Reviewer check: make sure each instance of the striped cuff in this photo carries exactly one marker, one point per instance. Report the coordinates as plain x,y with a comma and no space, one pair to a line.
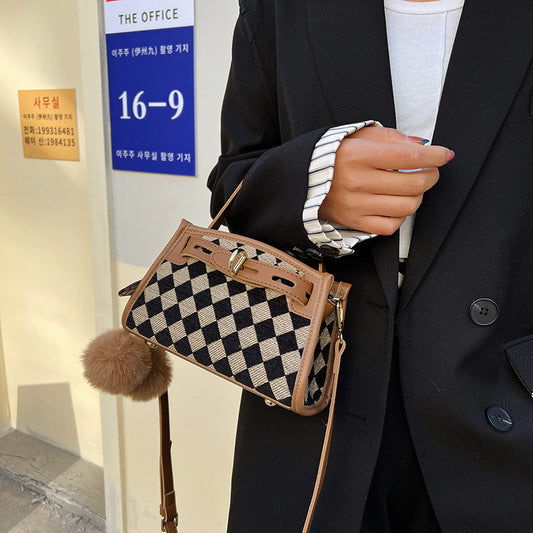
321,232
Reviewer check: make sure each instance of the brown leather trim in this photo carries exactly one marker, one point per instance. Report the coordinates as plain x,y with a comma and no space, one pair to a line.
176,239
316,307
253,272
305,270
308,275
340,290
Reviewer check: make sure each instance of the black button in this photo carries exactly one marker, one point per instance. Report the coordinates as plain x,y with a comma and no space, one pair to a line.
329,250
499,418
314,254
298,253
484,312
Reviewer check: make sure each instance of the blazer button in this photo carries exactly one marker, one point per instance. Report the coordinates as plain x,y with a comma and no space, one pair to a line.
499,418
484,312
329,250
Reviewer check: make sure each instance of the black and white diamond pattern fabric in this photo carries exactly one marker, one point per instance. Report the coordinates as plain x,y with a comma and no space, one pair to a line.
186,309
318,374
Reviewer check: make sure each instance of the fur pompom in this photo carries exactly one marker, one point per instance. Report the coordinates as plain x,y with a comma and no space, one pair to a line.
157,381
117,362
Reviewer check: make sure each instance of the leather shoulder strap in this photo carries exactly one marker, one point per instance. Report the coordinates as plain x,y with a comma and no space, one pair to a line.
217,221
340,345
168,509
168,499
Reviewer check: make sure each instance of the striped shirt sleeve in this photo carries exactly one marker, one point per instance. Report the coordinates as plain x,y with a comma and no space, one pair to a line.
321,232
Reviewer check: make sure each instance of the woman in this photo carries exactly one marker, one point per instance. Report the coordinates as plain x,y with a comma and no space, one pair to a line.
434,425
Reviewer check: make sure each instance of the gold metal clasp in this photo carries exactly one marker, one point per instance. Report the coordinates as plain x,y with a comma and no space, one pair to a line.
236,261
339,315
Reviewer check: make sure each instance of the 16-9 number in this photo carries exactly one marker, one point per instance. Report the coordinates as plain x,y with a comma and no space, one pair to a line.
140,109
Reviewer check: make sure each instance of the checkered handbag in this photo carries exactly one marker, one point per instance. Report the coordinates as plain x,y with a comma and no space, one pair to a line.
247,312
266,323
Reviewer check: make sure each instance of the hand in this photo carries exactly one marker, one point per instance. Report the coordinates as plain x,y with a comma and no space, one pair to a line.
366,194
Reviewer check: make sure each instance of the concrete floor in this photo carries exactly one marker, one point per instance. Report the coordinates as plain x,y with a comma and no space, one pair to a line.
44,489
25,511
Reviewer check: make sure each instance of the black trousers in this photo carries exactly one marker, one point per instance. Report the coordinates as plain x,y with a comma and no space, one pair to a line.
398,501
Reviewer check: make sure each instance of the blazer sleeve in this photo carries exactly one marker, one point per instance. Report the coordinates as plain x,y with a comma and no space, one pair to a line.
273,167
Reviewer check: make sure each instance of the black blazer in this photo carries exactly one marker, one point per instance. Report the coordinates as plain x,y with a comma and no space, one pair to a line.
299,67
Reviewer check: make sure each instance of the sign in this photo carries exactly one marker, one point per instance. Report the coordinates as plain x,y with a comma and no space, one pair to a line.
48,124
150,58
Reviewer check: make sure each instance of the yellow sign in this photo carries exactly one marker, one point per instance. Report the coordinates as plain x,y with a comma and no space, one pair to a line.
48,124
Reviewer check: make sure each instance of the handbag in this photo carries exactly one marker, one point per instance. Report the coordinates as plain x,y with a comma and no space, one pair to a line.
249,313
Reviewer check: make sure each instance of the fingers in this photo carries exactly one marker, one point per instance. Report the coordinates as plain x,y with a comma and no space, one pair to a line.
381,225
370,212
394,182
368,191
390,206
365,211
403,155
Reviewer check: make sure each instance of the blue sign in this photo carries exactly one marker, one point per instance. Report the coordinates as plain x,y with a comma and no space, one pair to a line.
151,94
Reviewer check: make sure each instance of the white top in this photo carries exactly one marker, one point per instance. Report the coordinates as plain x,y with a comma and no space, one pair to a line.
420,39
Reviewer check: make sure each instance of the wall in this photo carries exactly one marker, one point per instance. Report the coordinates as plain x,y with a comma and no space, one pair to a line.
46,285
5,415
203,408
71,234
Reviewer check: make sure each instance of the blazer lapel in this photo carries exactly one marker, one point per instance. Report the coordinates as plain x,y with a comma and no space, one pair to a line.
349,42
492,51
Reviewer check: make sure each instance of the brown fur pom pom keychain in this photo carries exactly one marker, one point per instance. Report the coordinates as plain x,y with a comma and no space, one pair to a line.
120,363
